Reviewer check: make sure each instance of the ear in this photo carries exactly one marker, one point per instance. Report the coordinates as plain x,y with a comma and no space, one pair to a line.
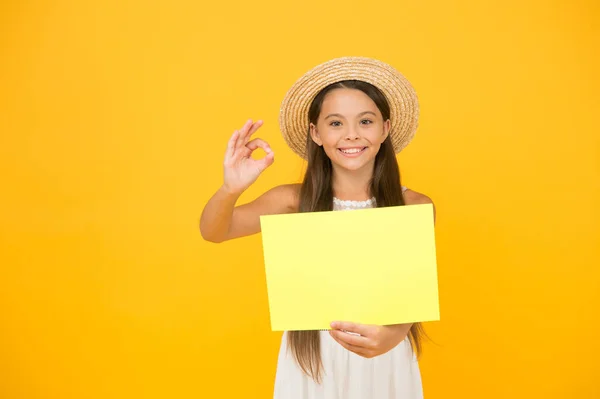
314,134
387,125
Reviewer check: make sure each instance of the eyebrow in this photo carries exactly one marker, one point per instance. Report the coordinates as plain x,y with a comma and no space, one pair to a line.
361,114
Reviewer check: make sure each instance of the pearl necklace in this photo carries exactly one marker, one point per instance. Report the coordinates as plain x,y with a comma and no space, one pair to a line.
343,205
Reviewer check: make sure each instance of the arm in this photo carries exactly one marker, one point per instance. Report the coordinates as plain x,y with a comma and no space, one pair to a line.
221,220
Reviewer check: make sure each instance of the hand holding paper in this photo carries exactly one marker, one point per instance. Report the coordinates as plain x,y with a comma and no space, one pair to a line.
368,340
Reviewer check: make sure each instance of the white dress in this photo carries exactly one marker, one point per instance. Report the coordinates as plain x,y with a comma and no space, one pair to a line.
346,375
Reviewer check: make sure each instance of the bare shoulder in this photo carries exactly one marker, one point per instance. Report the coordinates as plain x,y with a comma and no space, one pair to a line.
285,198
412,197
245,219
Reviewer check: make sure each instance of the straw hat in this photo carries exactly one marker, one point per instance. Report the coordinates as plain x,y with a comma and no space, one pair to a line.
401,96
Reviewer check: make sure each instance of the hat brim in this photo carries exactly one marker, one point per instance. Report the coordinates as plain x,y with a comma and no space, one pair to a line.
401,96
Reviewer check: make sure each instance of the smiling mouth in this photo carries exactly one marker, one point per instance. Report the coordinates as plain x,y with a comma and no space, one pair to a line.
352,151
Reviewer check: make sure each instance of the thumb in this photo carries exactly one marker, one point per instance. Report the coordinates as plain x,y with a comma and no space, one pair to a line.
356,328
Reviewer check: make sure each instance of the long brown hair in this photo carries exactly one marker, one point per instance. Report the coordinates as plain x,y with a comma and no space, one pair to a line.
316,194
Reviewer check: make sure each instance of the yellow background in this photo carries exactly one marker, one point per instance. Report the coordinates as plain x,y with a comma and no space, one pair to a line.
114,117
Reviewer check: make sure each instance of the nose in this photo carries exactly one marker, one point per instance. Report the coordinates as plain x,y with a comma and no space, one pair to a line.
351,134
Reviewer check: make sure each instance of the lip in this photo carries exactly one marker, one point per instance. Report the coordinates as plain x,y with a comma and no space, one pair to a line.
353,155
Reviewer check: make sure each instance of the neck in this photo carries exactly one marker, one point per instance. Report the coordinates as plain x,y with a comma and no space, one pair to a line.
352,184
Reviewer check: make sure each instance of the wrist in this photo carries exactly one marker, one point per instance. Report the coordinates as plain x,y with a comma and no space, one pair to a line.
230,191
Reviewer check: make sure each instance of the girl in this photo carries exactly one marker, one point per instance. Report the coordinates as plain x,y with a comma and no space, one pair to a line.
348,118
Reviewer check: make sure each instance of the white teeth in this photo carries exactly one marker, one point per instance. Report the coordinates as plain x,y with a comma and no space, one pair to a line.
351,150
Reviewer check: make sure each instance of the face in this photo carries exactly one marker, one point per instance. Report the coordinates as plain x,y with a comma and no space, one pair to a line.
350,129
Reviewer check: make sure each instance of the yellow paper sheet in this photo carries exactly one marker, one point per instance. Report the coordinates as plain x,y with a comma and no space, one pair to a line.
370,266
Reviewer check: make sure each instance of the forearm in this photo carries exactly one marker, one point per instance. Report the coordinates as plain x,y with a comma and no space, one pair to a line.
217,214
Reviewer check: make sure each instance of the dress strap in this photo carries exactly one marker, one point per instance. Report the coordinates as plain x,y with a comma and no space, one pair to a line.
404,188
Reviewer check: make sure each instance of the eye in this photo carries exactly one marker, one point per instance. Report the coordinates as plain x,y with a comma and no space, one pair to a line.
333,123
367,120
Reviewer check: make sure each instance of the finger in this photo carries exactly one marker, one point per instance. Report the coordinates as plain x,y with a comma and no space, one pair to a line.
266,161
350,339
258,143
246,131
255,126
356,349
242,136
362,329
231,144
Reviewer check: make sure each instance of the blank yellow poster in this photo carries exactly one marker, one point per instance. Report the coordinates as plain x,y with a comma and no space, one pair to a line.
370,266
